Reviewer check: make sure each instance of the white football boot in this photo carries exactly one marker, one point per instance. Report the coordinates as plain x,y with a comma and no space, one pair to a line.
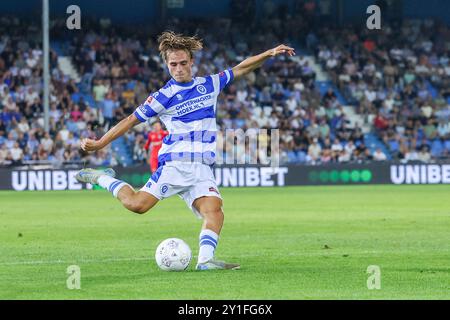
91,176
217,265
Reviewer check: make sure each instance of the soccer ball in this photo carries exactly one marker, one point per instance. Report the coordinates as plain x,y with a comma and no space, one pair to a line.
173,254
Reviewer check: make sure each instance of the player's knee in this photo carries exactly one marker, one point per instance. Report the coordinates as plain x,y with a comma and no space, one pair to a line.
213,214
220,216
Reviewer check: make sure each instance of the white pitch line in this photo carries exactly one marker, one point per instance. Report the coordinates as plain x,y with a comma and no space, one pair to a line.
37,262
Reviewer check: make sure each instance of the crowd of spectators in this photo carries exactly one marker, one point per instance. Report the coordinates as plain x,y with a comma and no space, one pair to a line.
397,80
22,135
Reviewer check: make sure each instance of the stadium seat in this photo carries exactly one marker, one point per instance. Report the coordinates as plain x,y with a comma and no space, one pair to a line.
437,148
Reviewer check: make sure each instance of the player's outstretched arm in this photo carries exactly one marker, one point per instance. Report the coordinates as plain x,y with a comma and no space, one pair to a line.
250,64
115,132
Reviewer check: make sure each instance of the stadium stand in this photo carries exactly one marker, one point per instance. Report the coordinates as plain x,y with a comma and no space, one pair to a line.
349,95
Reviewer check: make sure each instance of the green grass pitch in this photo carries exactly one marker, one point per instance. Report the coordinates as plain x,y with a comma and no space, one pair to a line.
292,243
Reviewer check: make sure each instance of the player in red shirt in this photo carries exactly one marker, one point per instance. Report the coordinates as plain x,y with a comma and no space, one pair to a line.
155,138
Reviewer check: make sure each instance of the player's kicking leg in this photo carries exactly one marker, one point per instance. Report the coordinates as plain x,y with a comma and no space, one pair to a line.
138,202
211,210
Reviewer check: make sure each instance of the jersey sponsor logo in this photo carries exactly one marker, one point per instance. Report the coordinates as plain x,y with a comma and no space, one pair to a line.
193,102
192,105
149,184
191,108
179,97
201,89
156,94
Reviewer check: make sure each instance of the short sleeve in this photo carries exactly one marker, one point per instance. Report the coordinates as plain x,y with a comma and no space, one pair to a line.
150,108
225,77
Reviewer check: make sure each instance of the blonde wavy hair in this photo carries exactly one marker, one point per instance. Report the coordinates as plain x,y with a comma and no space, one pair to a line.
170,41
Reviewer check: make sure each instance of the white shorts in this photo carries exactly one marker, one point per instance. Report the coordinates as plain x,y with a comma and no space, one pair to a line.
190,180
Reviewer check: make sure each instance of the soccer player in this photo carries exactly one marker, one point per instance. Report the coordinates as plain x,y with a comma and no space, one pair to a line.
187,107
155,138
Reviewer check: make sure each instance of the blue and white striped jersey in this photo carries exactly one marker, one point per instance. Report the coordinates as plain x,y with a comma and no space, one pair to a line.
188,111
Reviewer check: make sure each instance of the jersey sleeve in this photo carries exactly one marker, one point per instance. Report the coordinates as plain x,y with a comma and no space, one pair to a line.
225,77
150,108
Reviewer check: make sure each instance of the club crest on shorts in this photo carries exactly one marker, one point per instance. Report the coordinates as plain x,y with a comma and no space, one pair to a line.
164,188
201,89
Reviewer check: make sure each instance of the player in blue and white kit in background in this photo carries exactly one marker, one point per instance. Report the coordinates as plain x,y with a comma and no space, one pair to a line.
187,106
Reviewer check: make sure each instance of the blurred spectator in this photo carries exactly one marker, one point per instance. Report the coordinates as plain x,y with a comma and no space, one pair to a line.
379,155
314,151
424,155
